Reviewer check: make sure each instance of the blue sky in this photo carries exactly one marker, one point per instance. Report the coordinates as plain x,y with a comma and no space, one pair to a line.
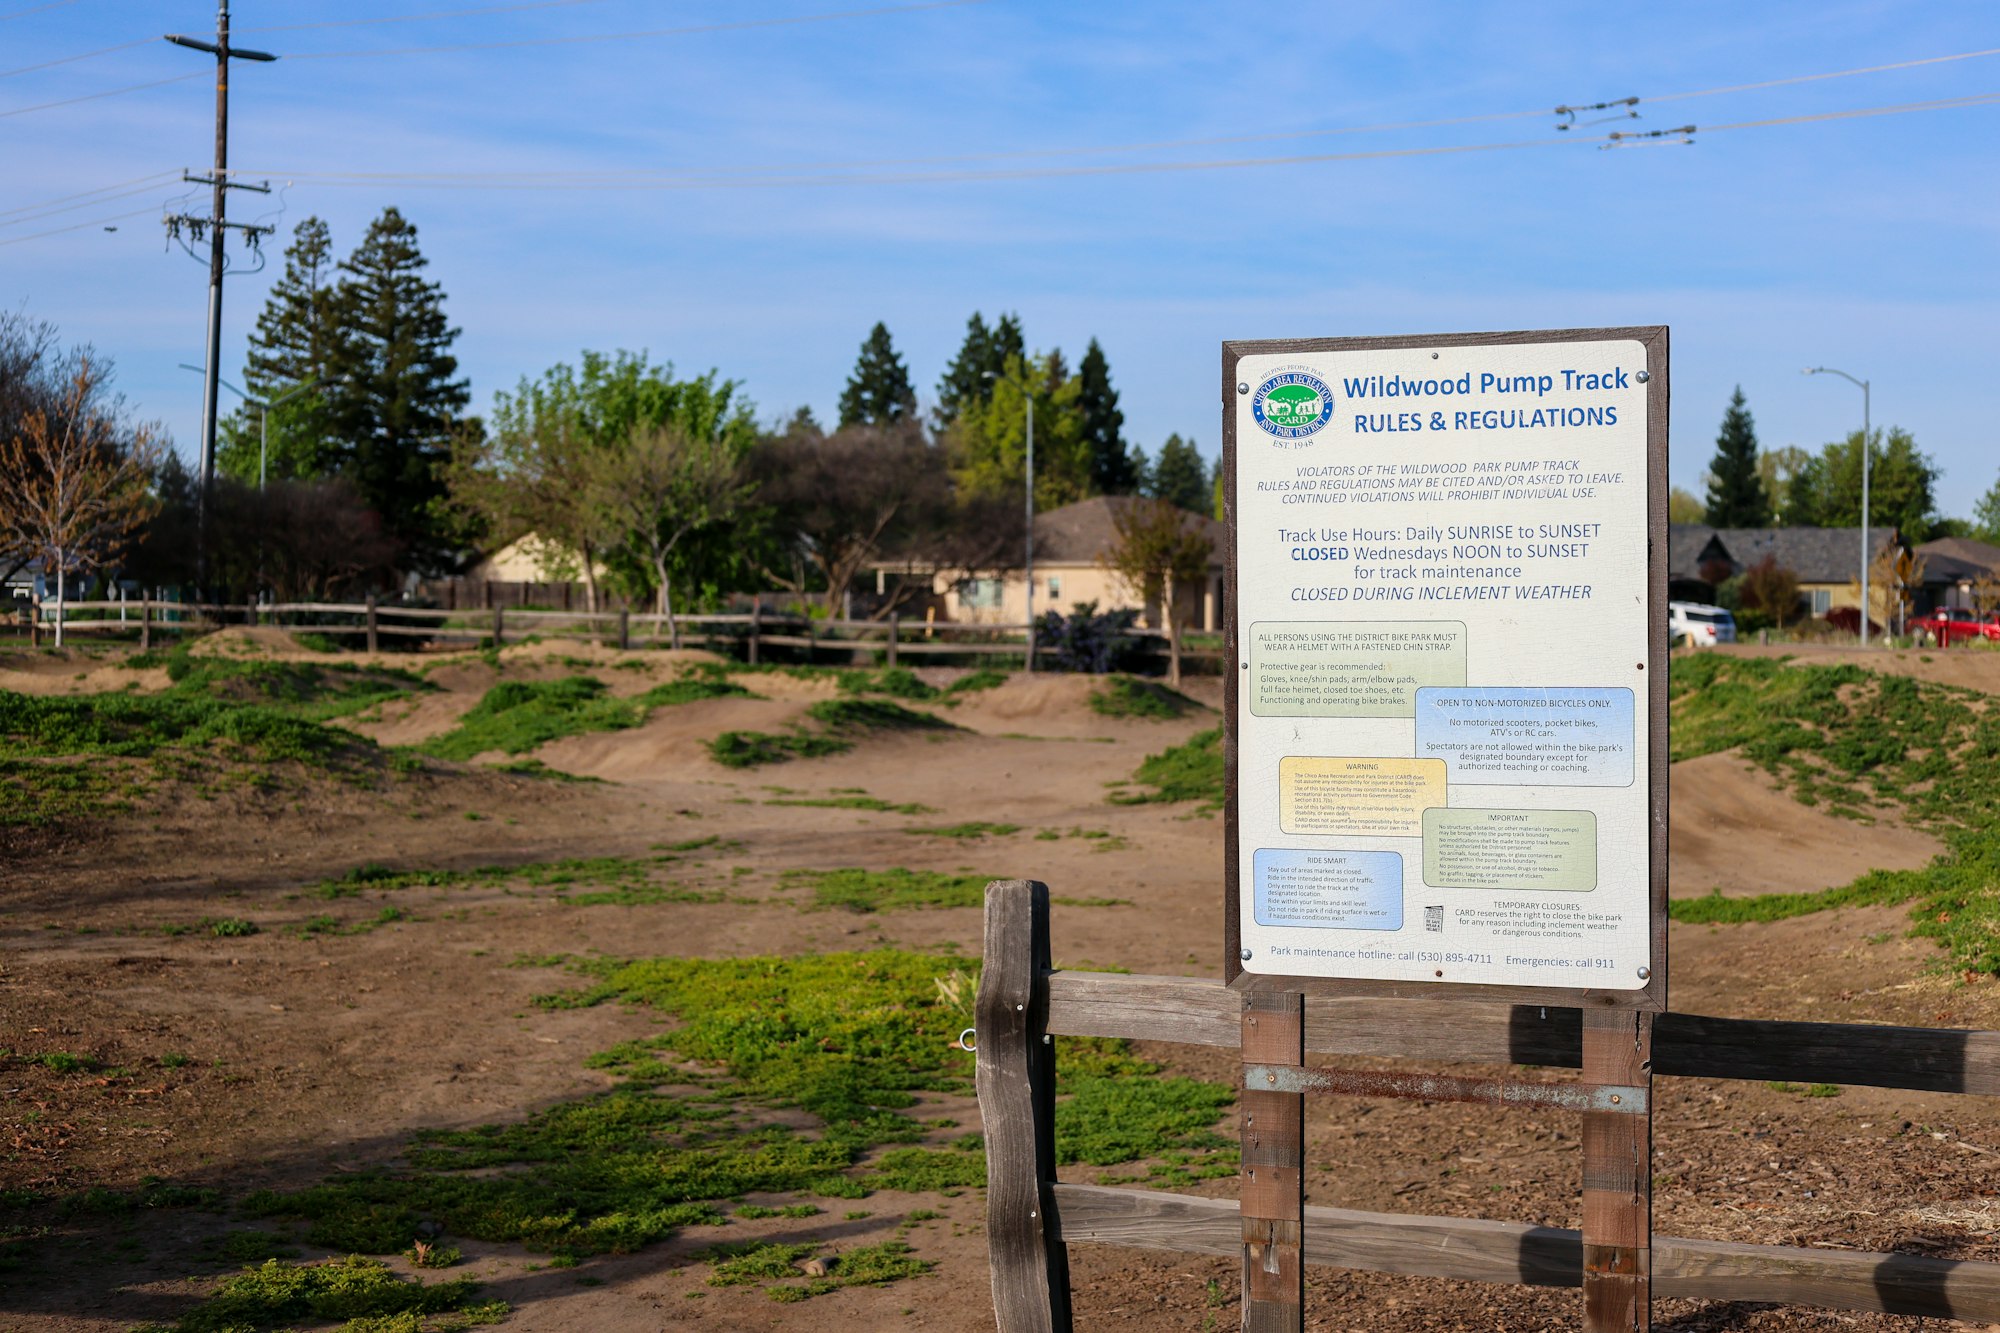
1864,243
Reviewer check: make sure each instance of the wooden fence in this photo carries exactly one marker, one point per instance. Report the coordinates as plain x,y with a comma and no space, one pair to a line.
372,621
1032,1217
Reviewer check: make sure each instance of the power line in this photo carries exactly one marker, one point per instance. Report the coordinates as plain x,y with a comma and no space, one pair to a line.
71,60
1834,74
422,18
579,39
35,9
637,181
27,218
80,194
79,226
92,97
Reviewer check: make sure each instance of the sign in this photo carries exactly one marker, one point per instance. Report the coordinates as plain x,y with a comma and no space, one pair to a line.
1447,597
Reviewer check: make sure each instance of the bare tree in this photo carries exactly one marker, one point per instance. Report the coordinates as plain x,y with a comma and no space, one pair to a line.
661,486
534,478
840,501
71,489
1160,549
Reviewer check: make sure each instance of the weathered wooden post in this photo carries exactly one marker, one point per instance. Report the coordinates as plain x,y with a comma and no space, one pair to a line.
624,629
1016,1075
499,623
895,624
372,620
1272,1127
756,626
145,622
1617,1171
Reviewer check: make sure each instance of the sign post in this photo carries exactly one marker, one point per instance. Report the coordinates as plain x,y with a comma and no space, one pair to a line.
1446,742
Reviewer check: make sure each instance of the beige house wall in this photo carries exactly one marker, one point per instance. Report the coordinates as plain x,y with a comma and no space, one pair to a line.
1058,587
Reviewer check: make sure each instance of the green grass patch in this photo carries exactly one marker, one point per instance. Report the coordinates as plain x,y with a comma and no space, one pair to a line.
1186,772
517,716
1128,696
896,682
857,890
361,1291
972,682
855,801
977,828
591,881
775,1266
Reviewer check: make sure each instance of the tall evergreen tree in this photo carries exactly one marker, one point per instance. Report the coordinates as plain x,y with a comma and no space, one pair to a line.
1736,497
296,343
878,393
1180,476
396,401
1111,464
982,358
1902,491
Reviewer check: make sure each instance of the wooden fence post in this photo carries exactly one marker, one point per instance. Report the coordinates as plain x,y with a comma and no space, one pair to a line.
812,637
756,626
1031,645
624,629
499,623
895,623
1017,1092
1173,654
1618,1174
145,623
371,622
1273,1184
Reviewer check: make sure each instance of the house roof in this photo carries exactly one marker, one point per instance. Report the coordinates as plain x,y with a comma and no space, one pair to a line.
1816,555
1079,533
1959,560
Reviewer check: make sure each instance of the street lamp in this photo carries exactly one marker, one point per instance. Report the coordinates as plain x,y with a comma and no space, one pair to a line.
1029,395
1866,449
263,413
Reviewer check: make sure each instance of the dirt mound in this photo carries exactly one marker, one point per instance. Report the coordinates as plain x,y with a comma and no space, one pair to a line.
73,672
412,720
671,744
1043,704
251,641
1971,668
1729,827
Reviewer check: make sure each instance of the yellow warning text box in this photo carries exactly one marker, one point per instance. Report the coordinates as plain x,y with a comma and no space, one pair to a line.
1384,797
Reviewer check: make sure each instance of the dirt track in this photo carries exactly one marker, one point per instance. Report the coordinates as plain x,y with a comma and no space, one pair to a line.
318,1056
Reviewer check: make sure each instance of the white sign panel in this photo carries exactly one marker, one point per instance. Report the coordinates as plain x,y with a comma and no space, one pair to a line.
1442,625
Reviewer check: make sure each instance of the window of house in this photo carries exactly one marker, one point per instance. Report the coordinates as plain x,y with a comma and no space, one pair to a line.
1055,585
1822,601
980,594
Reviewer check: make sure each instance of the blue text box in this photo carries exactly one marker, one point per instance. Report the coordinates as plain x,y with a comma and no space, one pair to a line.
1545,736
1328,890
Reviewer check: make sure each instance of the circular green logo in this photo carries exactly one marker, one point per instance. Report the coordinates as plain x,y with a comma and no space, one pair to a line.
1292,404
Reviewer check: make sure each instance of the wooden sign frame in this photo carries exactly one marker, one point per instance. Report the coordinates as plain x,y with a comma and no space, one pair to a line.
1653,995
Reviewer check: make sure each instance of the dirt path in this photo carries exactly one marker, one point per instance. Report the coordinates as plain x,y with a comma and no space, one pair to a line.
310,1057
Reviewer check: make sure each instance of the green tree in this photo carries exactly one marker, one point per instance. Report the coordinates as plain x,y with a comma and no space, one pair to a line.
1180,477
662,485
1986,514
396,402
296,342
982,359
878,393
1683,506
1736,496
1161,554
1111,465
1776,468
988,441
1902,484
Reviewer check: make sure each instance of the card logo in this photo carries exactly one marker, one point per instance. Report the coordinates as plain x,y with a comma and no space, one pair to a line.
1292,404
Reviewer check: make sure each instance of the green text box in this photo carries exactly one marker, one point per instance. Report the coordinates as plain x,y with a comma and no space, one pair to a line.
1510,849
1351,668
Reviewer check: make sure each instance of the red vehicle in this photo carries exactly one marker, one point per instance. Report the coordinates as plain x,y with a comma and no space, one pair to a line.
1958,624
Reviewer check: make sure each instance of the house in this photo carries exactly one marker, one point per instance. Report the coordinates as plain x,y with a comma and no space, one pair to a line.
1826,561
1070,544
1954,566
24,584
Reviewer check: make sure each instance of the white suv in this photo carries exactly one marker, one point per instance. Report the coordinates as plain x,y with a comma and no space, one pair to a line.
1703,626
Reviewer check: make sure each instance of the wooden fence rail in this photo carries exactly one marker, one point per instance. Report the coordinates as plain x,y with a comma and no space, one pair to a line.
1032,1217
755,631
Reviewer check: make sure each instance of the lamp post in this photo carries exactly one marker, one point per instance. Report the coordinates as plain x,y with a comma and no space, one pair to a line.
1028,394
263,414
1866,449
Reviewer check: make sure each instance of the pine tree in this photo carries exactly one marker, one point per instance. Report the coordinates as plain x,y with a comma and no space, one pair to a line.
1111,465
395,400
982,358
296,343
878,393
1736,497
1180,476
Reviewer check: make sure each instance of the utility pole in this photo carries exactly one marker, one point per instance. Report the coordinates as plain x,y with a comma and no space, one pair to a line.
214,228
